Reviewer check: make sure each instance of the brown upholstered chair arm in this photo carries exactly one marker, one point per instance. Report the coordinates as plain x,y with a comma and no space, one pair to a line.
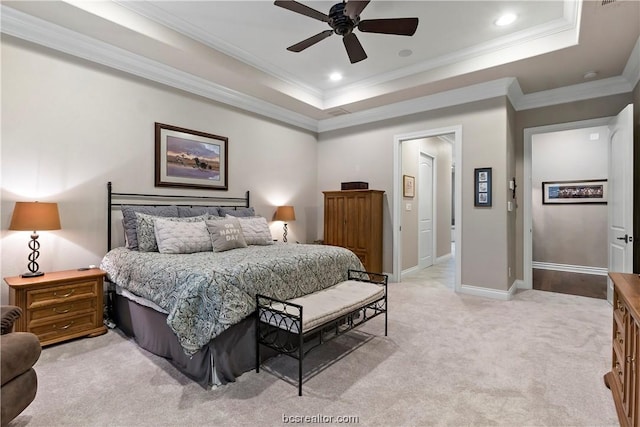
8,315
19,351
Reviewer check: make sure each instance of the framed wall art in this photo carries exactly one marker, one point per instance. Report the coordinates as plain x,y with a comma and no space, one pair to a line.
482,187
408,186
574,192
189,158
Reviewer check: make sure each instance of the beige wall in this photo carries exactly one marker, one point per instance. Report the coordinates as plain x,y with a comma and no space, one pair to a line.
69,126
562,113
366,153
515,211
410,230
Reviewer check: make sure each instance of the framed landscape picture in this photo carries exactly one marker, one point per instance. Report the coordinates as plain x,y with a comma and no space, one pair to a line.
189,158
574,192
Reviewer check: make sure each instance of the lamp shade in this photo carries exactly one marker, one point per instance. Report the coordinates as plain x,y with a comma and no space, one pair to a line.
285,213
34,216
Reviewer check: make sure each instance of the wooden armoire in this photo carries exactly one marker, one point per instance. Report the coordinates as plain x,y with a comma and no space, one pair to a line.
353,220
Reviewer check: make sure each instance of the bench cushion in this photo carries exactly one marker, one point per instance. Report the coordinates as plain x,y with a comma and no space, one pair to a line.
328,304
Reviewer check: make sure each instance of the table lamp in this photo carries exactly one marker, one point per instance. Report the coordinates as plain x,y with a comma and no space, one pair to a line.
285,213
33,216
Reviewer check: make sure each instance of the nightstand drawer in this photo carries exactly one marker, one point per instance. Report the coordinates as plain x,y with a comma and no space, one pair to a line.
64,293
64,326
64,308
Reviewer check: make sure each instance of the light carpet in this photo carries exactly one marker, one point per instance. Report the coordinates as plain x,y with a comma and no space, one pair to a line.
449,360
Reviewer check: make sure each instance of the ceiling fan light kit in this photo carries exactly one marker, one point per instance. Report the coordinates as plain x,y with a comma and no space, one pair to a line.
343,18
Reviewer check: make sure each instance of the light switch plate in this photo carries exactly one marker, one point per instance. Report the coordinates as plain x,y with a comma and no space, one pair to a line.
408,208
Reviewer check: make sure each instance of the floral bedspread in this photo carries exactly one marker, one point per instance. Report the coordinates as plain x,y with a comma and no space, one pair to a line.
207,292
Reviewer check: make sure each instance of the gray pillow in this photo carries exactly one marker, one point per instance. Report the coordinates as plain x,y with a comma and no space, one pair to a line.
186,211
226,234
145,229
180,237
256,230
129,220
237,212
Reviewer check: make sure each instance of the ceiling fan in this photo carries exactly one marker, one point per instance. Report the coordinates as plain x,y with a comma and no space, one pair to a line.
343,18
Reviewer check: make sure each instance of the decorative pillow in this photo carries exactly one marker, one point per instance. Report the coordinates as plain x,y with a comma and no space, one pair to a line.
129,220
188,211
145,229
179,237
240,212
256,230
226,234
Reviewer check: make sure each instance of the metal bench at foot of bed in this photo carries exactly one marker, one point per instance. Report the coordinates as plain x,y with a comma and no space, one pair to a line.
328,313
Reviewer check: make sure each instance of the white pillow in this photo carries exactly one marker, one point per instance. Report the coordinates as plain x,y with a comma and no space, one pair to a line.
176,237
256,230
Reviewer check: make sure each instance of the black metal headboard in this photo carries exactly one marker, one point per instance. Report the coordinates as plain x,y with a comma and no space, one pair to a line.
116,200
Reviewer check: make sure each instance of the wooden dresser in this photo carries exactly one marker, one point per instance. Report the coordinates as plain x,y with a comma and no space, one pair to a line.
60,305
353,220
624,377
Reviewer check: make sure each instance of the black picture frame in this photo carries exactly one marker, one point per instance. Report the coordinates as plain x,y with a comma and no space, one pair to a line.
190,159
578,192
482,187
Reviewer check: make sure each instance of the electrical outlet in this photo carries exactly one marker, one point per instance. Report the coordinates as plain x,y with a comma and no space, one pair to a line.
408,207
509,271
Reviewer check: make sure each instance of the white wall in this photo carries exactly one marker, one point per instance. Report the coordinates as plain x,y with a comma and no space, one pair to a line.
569,234
69,126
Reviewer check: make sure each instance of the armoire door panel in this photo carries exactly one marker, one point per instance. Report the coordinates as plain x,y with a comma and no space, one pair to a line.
353,220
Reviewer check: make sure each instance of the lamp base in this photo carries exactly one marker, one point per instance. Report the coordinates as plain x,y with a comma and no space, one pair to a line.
32,274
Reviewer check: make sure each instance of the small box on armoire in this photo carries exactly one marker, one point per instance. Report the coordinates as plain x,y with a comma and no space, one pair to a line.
354,185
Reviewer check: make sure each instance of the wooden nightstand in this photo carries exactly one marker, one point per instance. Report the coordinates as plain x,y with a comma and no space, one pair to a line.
59,306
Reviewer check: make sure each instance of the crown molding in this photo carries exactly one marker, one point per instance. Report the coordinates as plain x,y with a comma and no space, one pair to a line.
156,14
578,92
632,69
36,30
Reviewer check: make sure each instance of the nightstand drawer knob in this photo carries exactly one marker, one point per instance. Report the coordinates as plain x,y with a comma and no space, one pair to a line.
68,294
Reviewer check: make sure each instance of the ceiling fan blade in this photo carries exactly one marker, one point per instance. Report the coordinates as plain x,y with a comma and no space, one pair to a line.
294,6
298,47
398,26
355,7
354,48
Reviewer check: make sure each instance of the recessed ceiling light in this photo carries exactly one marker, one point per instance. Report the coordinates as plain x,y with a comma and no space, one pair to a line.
405,52
334,77
590,74
506,19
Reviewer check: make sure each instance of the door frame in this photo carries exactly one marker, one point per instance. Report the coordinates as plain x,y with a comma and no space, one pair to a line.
397,195
434,207
527,226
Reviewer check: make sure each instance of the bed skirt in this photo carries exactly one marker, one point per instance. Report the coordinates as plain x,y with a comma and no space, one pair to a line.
225,358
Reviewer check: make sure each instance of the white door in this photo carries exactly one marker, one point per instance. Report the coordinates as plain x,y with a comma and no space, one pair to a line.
620,200
425,211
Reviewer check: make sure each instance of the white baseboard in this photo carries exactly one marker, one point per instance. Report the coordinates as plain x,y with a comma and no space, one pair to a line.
443,258
409,271
582,269
521,285
489,293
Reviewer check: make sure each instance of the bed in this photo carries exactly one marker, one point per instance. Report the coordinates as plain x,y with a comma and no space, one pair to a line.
195,309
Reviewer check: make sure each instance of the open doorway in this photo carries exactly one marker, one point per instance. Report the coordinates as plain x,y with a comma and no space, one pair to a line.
619,186
423,236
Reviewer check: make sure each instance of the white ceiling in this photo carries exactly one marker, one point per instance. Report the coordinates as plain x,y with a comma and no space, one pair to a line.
235,52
